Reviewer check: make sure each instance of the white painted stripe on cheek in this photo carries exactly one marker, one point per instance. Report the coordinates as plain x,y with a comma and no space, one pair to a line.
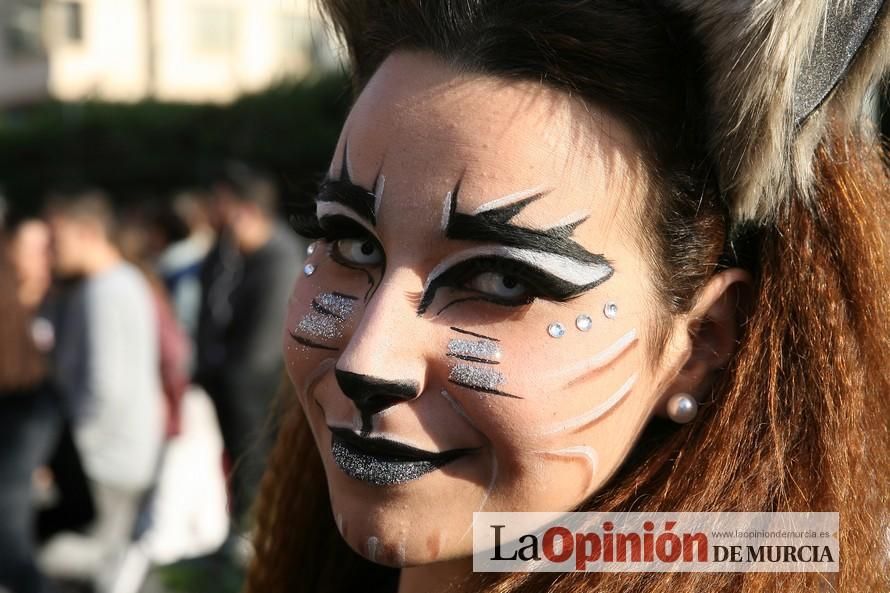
491,483
372,548
596,412
457,407
598,360
583,452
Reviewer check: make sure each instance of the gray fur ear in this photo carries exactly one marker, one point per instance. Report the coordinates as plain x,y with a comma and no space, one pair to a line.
778,72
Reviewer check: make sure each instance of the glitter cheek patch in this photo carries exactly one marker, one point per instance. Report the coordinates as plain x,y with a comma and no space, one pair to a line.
330,311
474,359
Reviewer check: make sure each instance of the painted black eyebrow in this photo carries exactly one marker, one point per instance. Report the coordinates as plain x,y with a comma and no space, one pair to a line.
493,226
346,192
352,196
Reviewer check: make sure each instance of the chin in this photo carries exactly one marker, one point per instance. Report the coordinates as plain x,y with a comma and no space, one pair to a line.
405,524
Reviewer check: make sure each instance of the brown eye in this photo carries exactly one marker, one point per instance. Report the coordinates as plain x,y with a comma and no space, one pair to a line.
361,252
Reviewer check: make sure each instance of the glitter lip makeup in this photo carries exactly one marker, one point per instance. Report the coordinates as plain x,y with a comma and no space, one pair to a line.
383,462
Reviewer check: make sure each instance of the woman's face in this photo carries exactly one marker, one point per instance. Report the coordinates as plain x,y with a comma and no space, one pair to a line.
472,334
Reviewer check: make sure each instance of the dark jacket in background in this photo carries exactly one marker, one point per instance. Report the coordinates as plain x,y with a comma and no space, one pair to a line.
239,359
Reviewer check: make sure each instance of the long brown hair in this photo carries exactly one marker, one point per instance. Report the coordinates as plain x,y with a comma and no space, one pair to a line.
22,365
799,419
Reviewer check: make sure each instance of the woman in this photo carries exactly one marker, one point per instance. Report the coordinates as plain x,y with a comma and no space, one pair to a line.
29,415
595,256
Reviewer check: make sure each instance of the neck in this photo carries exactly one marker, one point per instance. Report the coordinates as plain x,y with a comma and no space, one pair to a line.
434,578
101,258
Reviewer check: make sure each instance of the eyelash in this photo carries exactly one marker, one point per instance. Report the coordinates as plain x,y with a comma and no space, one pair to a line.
539,284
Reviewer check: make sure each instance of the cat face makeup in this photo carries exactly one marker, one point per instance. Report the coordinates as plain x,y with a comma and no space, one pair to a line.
463,218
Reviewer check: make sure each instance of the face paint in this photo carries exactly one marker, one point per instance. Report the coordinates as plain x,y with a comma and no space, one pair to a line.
594,414
325,321
568,376
583,453
520,197
479,379
463,242
378,193
556,330
481,351
384,462
547,258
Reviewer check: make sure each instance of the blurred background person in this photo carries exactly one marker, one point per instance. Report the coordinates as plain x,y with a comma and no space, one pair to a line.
106,366
246,281
29,415
134,238
179,263
29,251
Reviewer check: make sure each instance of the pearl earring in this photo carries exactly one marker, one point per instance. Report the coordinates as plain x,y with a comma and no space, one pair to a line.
682,408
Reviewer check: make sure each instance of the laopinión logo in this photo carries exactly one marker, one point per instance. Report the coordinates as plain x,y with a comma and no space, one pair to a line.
655,542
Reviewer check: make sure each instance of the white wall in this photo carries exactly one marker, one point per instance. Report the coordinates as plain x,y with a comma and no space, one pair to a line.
205,50
111,60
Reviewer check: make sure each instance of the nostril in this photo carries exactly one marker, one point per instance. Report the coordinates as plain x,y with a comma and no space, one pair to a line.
372,394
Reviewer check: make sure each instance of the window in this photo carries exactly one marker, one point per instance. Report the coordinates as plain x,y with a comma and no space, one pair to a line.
23,32
72,22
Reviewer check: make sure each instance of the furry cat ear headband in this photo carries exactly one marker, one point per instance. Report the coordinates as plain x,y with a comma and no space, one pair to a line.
779,70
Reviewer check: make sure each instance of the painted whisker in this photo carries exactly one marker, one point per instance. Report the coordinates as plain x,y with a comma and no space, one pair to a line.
478,379
583,453
584,420
598,361
310,344
481,351
474,334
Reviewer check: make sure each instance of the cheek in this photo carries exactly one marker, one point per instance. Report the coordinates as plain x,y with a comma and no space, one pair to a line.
322,312
574,413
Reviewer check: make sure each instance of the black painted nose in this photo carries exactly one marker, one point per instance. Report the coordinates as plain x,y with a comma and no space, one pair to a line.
371,394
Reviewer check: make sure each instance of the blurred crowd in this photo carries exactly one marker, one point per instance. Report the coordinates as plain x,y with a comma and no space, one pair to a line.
111,321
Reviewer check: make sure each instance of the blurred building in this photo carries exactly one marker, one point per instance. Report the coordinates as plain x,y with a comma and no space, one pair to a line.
24,70
170,50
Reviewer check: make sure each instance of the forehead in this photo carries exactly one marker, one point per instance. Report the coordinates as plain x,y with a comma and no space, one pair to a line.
424,125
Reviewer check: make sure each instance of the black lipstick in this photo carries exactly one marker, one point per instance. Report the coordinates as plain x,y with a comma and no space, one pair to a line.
383,462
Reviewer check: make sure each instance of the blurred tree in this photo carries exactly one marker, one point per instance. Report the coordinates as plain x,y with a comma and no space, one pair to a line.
151,148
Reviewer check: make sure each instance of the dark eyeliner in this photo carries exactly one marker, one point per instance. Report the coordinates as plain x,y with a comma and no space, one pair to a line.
541,284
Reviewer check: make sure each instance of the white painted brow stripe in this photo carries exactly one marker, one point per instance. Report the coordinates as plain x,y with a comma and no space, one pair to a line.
378,195
562,267
514,197
569,219
600,359
348,163
446,211
323,209
596,412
